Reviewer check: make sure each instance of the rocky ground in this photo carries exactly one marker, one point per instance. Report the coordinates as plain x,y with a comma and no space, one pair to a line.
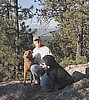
79,90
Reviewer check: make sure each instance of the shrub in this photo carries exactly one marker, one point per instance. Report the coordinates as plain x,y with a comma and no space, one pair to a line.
68,61
81,60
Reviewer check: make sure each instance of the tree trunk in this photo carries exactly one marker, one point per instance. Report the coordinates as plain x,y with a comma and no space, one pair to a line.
16,35
80,40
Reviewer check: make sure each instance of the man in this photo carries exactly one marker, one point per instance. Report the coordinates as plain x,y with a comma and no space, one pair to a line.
38,70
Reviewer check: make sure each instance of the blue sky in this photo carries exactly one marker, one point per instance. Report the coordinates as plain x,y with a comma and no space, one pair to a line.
27,3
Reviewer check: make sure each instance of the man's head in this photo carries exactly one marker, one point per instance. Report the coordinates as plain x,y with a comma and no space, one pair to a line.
36,38
37,41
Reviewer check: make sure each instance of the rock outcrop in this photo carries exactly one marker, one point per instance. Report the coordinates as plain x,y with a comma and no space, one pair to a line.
79,90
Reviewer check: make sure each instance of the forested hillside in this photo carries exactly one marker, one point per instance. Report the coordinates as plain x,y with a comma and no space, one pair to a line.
69,44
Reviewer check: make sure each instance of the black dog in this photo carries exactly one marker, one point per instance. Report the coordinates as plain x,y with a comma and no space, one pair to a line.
56,73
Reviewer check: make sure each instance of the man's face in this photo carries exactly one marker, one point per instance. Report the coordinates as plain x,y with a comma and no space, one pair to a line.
37,43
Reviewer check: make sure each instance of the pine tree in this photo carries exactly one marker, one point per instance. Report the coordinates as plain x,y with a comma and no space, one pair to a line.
73,18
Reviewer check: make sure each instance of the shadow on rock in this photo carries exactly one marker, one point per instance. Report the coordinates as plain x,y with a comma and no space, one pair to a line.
78,76
18,91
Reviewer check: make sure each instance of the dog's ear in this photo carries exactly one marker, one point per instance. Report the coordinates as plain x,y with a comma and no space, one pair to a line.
25,53
30,51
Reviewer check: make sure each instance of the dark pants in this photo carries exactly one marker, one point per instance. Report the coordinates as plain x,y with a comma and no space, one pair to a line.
40,77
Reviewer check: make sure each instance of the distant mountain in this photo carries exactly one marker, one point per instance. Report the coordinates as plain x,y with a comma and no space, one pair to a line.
45,31
46,39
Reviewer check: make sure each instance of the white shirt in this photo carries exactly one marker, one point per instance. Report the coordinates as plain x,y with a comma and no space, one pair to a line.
39,53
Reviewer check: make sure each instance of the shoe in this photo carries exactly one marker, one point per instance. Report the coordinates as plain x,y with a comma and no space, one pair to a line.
35,83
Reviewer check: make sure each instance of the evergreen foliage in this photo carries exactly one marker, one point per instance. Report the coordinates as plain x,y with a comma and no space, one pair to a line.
73,23
70,44
11,39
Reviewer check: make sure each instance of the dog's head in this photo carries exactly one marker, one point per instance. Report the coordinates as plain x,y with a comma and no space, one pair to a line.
28,54
48,60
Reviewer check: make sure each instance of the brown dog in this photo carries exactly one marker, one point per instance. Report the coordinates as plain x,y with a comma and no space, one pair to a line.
28,61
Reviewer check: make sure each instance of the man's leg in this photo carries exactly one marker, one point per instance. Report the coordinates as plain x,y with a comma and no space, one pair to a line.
46,83
37,71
